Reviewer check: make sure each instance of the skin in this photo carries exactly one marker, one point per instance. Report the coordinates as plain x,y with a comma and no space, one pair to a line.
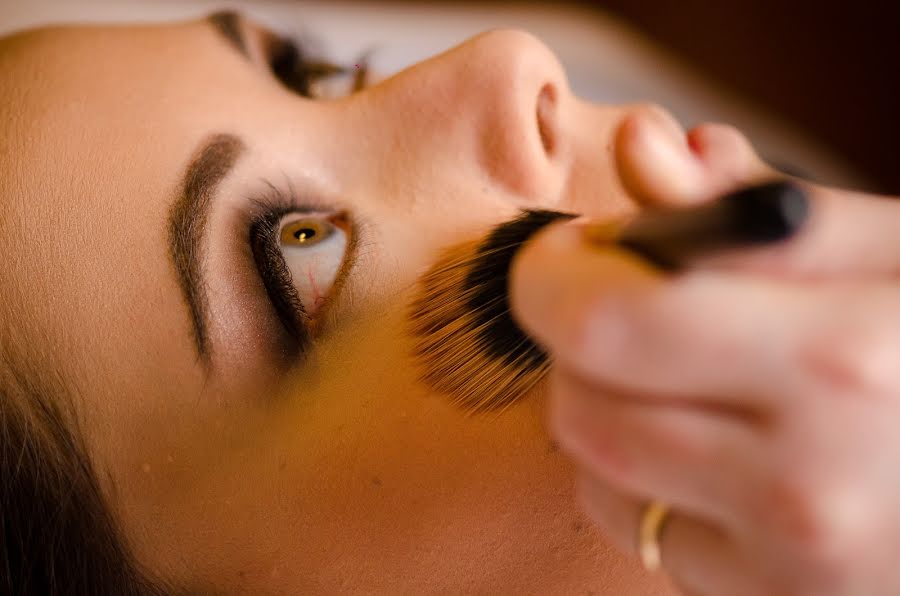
340,473
778,460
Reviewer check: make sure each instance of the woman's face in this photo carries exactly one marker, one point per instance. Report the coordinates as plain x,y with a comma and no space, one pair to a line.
135,167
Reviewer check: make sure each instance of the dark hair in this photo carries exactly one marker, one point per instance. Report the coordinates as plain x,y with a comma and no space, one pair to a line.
59,535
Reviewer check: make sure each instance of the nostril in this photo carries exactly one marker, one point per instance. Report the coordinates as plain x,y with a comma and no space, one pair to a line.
546,119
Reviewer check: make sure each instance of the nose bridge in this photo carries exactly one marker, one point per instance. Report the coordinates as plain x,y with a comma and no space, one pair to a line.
491,104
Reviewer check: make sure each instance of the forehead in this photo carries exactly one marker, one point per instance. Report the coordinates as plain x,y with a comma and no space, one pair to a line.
104,118
97,125
72,87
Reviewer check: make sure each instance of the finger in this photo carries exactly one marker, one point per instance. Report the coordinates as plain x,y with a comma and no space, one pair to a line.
614,320
661,165
725,337
847,234
701,461
699,556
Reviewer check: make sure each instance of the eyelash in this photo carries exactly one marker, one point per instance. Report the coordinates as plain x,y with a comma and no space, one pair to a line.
263,234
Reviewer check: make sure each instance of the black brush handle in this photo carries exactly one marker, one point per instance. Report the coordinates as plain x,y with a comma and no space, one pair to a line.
758,215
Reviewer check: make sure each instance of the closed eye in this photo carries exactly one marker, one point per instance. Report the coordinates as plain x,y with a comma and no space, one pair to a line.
287,58
295,71
284,57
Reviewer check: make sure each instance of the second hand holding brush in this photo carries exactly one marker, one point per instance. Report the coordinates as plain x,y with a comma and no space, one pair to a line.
735,423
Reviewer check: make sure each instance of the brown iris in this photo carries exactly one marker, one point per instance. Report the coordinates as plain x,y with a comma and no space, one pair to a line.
305,232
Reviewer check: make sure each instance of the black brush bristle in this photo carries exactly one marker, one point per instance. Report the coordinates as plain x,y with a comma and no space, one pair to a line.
488,286
469,347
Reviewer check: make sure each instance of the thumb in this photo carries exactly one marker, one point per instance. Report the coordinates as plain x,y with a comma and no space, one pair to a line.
557,277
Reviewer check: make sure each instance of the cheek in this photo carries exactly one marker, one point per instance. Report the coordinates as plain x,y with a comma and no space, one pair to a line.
595,187
376,459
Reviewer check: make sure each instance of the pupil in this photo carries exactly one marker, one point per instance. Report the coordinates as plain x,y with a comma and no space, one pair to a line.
304,233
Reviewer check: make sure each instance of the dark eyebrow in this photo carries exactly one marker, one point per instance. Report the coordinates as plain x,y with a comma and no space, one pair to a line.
228,24
188,219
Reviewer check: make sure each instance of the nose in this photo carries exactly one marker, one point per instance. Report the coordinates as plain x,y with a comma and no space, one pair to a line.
496,101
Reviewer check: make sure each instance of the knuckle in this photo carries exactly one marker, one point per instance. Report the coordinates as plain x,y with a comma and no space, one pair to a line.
826,528
795,512
853,360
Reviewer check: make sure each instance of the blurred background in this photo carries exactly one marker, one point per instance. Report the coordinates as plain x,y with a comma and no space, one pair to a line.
816,86
831,68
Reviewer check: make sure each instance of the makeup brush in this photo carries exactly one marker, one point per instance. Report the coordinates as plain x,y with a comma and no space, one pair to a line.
465,340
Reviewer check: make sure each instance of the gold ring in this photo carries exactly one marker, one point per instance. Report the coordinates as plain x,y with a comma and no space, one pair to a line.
652,521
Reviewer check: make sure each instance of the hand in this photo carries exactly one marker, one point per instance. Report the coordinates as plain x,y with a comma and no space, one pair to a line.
757,395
